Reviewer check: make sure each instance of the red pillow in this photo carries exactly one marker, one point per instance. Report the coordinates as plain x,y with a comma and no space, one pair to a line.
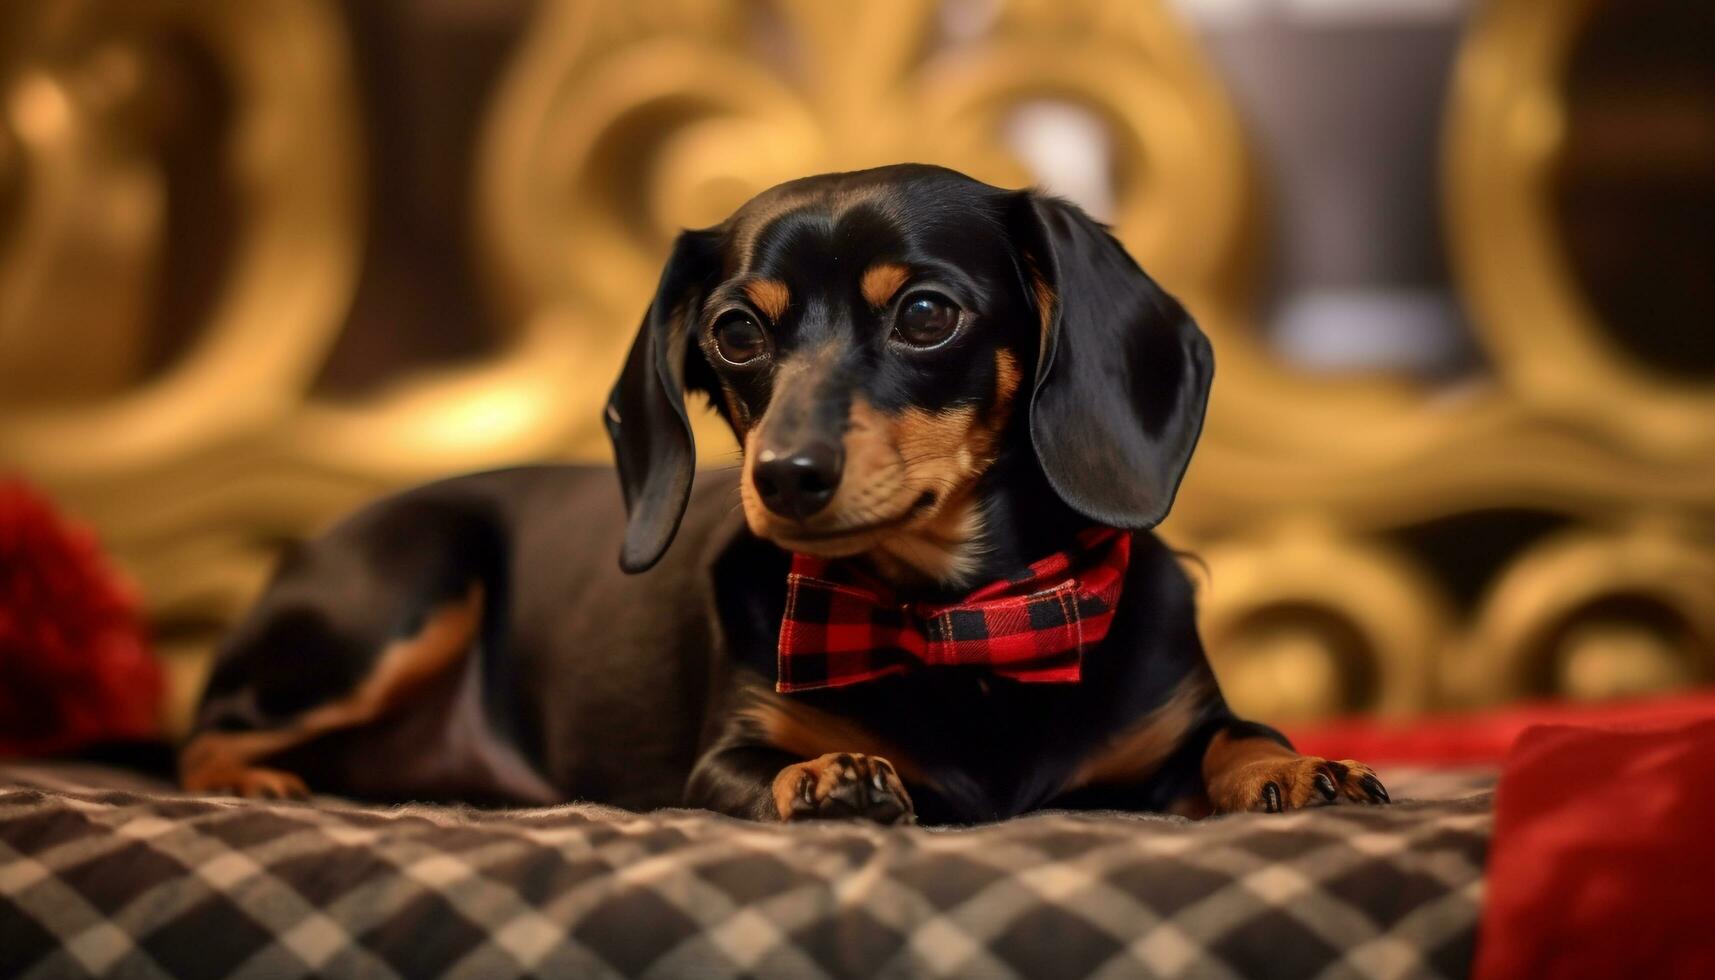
1485,737
74,666
1603,858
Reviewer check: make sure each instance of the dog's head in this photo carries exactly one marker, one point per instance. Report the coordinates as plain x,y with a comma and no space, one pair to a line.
877,339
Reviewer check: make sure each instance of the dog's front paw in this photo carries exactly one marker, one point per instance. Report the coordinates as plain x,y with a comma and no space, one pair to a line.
1275,785
251,782
842,785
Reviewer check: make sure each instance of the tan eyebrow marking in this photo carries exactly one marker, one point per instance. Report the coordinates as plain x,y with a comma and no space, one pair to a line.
1006,376
770,296
882,280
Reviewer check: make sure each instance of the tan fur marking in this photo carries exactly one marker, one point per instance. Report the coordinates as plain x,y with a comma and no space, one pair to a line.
882,280
947,450
945,549
784,788
771,296
795,727
943,452
740,415
225,760
929,438
871,455
1006,377
1138,752
1045,301
1228,756
756,515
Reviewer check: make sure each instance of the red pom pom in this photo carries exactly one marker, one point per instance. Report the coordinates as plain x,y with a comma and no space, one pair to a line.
74,665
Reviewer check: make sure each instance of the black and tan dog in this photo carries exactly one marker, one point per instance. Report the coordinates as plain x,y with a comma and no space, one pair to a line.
938,385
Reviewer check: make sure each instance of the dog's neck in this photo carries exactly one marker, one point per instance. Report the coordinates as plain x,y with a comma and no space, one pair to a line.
1008,519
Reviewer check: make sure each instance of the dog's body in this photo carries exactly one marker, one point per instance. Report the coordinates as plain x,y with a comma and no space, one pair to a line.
872,339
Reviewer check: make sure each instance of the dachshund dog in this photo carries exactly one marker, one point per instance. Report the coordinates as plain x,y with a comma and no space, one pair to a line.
929,592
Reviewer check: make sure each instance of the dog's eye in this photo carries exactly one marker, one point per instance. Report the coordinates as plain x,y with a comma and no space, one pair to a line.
926,320
739,339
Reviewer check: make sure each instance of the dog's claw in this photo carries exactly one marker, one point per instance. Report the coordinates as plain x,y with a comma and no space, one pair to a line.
1374,787
1271,797
1325,786
1282,783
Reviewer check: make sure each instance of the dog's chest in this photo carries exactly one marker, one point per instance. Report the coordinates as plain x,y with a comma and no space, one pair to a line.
983,747
987,747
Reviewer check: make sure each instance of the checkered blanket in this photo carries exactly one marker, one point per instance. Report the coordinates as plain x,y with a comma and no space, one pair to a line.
135,883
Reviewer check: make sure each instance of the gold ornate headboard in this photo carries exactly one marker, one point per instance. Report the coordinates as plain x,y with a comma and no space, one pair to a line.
186,225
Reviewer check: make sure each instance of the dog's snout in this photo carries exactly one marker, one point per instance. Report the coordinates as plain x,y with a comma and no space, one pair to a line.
799,482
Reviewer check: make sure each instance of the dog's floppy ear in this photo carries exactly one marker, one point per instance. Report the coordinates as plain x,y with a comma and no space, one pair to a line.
646,410
1123,376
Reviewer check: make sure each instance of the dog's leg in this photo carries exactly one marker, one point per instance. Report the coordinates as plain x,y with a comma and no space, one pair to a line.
784,760
217,760
1252,767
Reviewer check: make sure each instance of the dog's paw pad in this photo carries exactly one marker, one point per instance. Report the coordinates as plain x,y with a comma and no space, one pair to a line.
842,785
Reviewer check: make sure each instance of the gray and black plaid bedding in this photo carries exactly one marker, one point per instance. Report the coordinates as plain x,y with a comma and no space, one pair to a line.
137,883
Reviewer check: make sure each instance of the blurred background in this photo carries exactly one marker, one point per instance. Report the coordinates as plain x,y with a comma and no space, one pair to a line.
261,261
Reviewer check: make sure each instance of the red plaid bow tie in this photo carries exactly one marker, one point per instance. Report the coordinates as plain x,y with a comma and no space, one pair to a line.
1031,627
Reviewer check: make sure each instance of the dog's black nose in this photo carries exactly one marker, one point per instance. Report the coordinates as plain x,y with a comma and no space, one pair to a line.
800,482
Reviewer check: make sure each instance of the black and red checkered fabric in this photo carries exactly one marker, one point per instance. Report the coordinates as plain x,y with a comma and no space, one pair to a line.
842,629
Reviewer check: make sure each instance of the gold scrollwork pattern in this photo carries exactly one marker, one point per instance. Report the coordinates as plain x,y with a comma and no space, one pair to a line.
1506,128
1302,621
176,266
1569,425
1596,613
100,106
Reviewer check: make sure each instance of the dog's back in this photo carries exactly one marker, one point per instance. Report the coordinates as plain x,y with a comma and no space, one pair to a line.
412,598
